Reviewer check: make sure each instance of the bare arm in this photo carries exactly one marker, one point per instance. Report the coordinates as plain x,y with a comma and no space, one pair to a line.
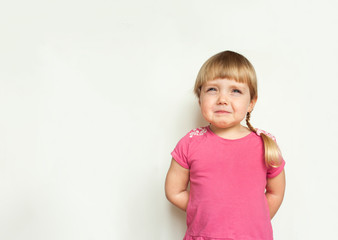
275,189
176,185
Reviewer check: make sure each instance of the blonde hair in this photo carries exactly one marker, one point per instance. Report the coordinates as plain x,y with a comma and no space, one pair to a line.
232,65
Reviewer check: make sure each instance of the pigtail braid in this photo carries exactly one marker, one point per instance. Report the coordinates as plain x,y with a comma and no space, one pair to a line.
272,153
248,115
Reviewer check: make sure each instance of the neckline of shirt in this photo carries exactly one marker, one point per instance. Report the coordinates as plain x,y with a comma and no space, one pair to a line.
228,140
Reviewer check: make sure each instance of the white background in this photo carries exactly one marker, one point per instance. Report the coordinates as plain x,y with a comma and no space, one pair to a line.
94,96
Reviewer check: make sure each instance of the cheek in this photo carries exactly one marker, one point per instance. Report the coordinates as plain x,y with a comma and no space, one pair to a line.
242,107
208,100
203,107
206,108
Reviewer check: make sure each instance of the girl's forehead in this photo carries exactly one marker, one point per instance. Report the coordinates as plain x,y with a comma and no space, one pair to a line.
225,81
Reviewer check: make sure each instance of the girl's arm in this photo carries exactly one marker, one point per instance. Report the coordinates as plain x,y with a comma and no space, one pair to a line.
275,189
176,185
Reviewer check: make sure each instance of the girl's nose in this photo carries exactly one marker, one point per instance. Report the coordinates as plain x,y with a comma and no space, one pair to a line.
223,99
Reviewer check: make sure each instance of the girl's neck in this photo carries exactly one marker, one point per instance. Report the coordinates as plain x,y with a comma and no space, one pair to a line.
230,133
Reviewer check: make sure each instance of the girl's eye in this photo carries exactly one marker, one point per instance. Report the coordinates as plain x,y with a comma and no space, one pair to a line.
236,91
211,89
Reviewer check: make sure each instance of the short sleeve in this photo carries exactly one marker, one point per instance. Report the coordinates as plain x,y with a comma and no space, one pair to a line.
273,172
180,152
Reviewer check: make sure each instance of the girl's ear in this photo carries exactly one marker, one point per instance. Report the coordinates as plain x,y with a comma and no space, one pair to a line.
252,104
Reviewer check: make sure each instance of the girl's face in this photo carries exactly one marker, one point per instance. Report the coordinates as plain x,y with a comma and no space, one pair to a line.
224,103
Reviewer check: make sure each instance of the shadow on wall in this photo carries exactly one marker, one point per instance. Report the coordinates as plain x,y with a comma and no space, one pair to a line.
178,220
199,120
189,117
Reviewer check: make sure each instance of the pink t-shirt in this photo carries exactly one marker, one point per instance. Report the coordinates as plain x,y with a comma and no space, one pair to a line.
227,186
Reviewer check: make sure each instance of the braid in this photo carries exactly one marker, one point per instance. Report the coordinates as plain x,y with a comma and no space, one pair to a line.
272,153
248,122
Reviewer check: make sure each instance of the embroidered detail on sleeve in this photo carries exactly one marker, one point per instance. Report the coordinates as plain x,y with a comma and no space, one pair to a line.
259,131
197,131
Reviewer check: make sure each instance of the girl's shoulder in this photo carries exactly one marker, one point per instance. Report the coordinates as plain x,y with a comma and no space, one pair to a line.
190,140
260,131
196,132
194,135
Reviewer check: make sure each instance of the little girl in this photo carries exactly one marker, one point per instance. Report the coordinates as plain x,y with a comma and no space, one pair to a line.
236,173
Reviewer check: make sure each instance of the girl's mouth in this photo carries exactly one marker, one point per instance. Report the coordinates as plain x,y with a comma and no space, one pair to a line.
222,112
